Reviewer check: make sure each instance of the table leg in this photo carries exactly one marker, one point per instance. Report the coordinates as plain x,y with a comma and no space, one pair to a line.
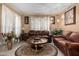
35,49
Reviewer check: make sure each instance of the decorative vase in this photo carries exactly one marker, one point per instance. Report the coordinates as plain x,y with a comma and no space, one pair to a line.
9,44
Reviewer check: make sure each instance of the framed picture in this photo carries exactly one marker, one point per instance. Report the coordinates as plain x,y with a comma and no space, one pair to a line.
70,16
26,20
52,19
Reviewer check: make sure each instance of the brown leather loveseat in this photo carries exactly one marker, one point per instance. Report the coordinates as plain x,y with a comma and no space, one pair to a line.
68,43
38,33
45,34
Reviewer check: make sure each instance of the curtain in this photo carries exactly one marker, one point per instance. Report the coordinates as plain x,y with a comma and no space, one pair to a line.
18,25
40,23
11,21
7,20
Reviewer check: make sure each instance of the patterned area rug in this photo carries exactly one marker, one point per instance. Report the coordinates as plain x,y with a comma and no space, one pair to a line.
47,50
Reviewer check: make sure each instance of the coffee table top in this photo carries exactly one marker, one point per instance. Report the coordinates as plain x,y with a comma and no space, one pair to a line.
37,40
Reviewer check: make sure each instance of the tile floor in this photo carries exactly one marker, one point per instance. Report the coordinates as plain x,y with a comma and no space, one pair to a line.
12,52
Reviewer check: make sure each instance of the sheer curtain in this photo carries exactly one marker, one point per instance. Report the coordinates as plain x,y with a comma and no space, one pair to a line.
40,23
11,21
18,25
7,20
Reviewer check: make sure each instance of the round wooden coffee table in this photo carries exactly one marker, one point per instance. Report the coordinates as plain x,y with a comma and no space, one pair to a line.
37,44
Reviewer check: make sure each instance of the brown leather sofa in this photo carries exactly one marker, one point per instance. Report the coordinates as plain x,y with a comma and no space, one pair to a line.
68,43
33,33
45,34
38,33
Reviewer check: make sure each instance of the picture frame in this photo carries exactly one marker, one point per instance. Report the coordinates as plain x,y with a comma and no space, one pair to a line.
52,19
70,16
26,20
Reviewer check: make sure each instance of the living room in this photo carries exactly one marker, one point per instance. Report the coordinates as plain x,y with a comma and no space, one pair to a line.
39,29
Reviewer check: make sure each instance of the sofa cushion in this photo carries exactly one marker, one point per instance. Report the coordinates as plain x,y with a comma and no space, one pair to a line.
59,39
74,37
62,41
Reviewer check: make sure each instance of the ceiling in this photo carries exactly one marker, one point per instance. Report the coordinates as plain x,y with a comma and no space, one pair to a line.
40,8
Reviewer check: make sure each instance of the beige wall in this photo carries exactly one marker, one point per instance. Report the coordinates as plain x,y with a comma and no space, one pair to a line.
73,27
57,23
0,15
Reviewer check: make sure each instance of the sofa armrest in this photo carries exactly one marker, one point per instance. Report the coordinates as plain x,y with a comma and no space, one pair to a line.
72,45
72,49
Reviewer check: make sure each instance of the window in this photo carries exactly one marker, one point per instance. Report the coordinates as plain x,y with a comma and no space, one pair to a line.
11,21
40,23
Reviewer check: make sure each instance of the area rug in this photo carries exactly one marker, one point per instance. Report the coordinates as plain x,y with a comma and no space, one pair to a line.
26,50
3,48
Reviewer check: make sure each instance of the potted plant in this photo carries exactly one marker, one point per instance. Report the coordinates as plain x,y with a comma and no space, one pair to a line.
57,32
